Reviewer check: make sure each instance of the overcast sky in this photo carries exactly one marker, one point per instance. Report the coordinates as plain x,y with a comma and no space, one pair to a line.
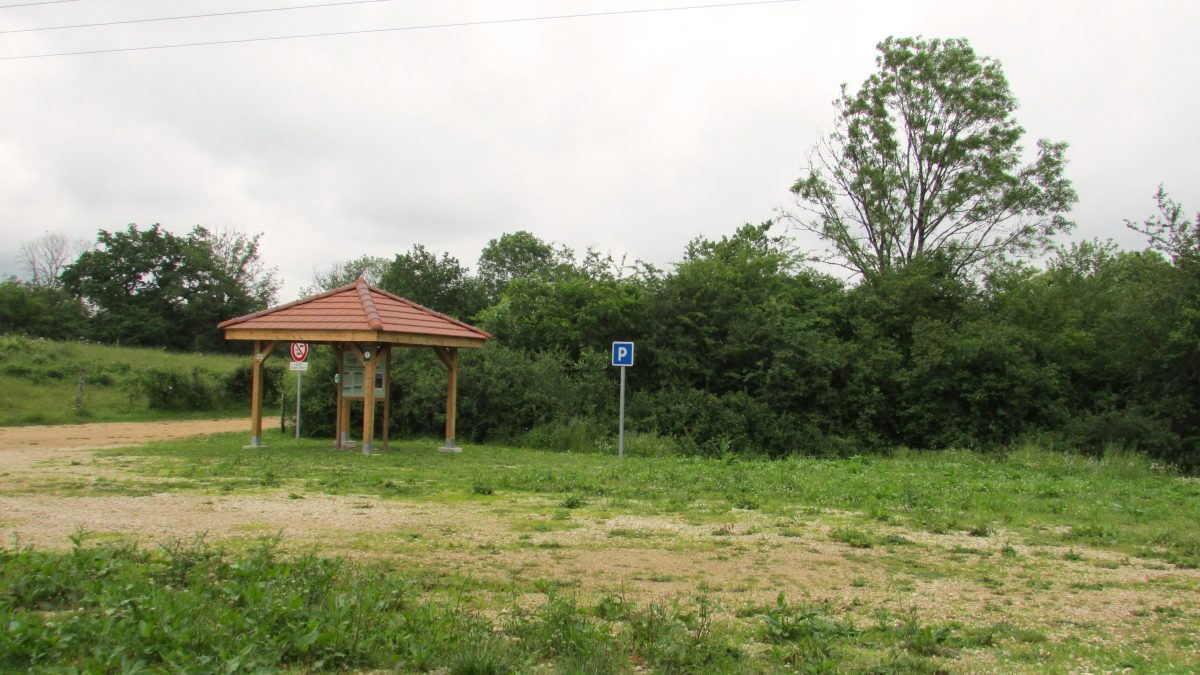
629,133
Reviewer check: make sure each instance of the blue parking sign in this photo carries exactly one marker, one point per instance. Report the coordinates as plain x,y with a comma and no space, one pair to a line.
622,354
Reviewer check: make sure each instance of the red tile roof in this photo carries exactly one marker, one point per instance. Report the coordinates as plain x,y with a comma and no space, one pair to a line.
356,307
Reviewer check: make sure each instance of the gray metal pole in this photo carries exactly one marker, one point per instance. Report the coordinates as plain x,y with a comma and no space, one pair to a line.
621,433
299,381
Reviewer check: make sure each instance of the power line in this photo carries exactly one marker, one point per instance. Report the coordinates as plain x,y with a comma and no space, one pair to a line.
433,26
31,4
191,16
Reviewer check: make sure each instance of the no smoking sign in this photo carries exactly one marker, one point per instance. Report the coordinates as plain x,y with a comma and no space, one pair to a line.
299,351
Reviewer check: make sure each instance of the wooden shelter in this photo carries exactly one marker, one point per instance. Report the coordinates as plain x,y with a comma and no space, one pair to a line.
363,324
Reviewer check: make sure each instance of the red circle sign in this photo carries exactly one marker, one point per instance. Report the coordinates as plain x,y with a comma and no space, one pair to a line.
299,351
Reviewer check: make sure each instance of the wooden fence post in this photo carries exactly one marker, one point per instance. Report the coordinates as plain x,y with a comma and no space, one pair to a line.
79,391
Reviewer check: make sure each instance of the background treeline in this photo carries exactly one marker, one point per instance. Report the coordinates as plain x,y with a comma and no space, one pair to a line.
744,348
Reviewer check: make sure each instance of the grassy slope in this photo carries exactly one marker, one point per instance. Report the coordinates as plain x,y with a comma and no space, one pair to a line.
39,379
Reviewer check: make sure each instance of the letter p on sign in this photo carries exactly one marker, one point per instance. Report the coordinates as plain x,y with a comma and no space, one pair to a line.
622,353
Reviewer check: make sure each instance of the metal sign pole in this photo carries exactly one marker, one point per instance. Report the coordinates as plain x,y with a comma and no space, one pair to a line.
621,432
622,357
299,382
299,352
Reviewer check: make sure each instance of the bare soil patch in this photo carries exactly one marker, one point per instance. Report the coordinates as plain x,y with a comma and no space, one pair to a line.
62,451
22,446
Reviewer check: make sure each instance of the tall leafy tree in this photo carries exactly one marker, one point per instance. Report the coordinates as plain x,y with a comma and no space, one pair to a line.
739,337
517,255
154,288
926,156
439,283
369,267
1171,232
573,314
240,263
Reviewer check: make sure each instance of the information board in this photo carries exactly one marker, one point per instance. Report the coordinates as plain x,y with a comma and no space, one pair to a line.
353,376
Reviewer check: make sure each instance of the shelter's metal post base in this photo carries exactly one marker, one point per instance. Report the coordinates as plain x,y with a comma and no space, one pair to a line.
449,446
255,443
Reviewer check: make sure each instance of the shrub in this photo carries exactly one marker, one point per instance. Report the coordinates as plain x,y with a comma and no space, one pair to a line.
573,502
575,434
174,390
1128,429
785,623
852,537
235,386
562,630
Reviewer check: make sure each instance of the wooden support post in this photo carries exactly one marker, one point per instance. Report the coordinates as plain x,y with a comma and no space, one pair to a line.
387,395
261,353
452,398
368,437
256,398
338,350
449,356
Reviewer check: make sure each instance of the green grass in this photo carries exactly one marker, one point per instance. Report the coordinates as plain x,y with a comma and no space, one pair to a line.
113,607
1119,502
195,608
39,379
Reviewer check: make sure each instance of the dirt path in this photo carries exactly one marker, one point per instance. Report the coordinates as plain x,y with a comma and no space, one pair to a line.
63,452
23,446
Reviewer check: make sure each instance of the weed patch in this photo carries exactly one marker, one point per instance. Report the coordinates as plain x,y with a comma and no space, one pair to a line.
852,537
117,608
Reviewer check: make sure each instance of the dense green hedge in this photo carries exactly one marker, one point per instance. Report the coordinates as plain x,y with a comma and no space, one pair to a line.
740,350
198,389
